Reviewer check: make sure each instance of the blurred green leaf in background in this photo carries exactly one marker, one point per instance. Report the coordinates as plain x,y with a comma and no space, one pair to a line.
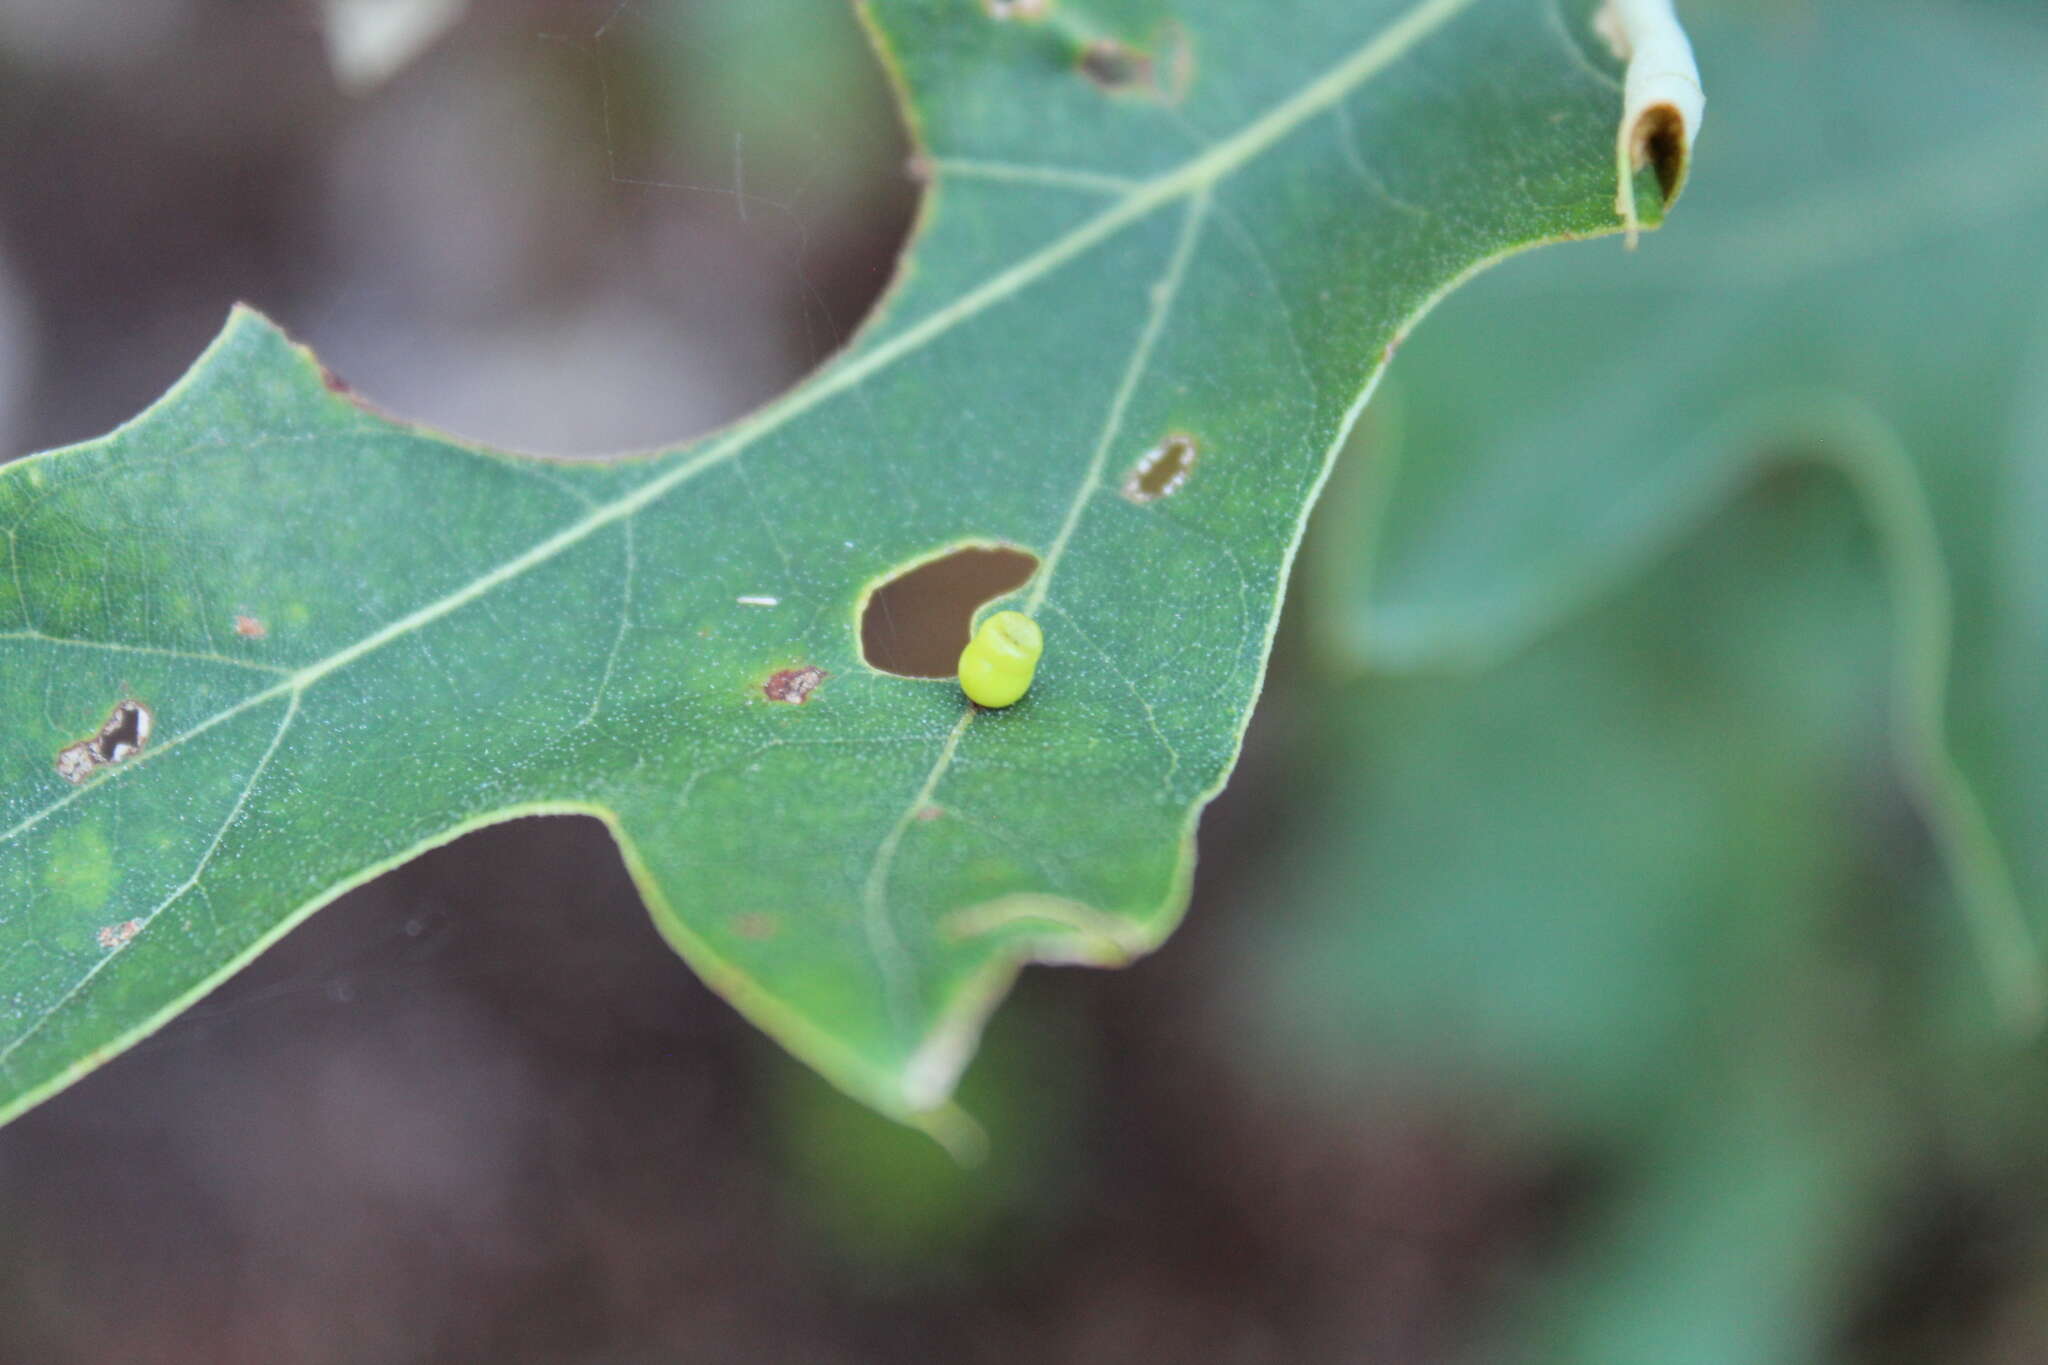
1681,651
1860,285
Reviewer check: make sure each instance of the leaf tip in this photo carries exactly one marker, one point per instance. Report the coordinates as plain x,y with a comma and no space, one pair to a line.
1663,102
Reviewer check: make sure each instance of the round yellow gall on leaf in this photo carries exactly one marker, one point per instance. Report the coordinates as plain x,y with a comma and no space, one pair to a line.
997,666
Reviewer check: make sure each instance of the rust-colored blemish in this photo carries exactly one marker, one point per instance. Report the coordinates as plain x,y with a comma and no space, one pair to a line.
1121,69
119,935
249,628
75,762
1017,9
342,389
929,813
793,685
757,925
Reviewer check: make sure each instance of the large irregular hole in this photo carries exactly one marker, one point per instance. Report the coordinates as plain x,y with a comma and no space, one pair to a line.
121,737
572,226
916,624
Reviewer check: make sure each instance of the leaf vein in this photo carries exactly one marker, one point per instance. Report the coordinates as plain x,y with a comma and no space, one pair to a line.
234,816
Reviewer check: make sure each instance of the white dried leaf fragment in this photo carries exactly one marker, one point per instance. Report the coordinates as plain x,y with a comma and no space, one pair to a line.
1662,101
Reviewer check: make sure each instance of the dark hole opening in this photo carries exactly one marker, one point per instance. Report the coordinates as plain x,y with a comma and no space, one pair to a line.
124,733
1113,66
917,623
1662,138
1163,470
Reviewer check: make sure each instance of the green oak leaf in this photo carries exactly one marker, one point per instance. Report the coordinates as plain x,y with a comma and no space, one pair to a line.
1859,281
354,639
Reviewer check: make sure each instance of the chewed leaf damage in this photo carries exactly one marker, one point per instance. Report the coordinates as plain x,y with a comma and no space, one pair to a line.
793,685
121,737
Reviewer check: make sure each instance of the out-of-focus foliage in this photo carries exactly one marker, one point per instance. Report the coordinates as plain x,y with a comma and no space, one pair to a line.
1859,282
886,1199
794,158
1609,884
1649,831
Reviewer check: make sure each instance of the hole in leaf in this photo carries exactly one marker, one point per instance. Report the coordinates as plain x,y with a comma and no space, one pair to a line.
916,624
122,735
1658,140
1163,471
1116,67
1164,72
572,227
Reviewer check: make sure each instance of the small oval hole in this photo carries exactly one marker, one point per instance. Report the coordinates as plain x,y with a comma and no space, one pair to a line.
1163,471
1114,66
916,624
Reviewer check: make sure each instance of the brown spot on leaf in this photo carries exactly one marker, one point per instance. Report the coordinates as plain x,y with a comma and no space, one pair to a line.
758,925
119,935
929,813
1122,69
1017,9
793,685
75,762
249,628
